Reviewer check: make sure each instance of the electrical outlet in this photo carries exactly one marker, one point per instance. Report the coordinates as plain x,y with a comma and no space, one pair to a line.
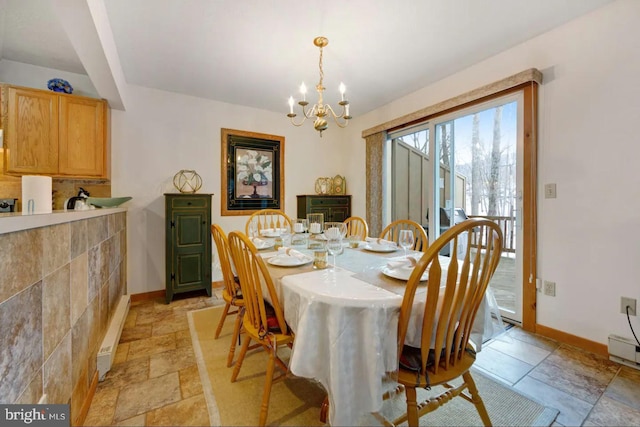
631,303
550,288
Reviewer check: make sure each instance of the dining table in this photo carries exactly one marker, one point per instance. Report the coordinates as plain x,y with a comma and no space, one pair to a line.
345,320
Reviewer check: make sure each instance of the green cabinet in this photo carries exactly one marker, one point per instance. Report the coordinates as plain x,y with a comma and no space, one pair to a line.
188,243
334,208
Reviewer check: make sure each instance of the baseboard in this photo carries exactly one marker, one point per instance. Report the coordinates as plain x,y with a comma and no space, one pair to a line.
576,341
217,284
146,296
84,410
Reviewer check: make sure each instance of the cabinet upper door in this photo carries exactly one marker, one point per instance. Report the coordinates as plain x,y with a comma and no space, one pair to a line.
82,136
32,132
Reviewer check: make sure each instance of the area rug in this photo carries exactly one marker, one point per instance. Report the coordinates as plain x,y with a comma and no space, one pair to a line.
297,401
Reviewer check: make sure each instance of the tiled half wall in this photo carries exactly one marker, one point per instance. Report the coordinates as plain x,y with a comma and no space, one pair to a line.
59,286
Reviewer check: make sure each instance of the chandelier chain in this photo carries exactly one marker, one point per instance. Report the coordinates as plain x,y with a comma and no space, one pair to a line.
321,69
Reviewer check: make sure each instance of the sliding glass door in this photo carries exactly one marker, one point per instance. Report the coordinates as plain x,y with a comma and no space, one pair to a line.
476,171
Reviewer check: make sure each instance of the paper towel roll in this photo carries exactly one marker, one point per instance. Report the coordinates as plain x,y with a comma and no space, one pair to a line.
36,194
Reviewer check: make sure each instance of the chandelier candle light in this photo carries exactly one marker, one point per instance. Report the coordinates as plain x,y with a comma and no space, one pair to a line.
320,110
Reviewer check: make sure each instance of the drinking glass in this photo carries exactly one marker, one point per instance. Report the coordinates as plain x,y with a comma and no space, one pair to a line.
334,247
405,239
320,258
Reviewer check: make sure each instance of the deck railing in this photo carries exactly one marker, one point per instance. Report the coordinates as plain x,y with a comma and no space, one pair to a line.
508,226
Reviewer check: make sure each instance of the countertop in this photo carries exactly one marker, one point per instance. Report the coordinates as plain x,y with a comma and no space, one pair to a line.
17,221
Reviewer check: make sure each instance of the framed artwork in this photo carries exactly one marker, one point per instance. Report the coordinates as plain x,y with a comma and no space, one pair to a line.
252,172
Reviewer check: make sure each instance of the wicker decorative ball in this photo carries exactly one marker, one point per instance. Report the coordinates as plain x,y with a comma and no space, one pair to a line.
187,181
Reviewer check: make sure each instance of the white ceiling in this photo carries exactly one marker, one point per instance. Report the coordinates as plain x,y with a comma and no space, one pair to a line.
257,52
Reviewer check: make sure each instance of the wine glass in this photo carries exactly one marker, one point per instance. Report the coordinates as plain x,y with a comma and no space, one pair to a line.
253,231
405,239
284,231
334,247
335,230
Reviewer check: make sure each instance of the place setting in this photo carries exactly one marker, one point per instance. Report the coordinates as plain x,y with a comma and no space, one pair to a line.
266,237
373,244
401,268
288,257
261,244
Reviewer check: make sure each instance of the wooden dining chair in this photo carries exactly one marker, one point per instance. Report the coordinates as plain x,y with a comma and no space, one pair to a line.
231,293
453,295
392,231
267,218
263,322
357,226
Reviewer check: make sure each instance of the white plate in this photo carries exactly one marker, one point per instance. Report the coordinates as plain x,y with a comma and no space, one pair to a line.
264,244
403,273
288,261
270,232
375,247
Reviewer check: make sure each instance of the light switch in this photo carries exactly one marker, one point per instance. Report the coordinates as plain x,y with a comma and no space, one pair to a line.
549,191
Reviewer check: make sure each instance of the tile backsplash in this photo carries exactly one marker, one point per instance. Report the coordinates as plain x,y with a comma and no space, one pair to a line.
11,188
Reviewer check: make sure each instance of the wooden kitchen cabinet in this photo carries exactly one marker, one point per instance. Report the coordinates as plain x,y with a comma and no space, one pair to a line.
82,136
335,208
188,243
55,134
31,131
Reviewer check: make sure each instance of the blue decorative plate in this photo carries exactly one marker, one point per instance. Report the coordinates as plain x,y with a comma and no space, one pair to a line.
107,202
59,85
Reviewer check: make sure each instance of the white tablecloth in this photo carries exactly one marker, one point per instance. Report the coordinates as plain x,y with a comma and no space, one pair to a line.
345,338
346,322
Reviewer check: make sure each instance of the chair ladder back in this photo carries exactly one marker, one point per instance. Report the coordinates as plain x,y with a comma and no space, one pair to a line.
357,226
453,299
253,275
222,246
268,218
457,333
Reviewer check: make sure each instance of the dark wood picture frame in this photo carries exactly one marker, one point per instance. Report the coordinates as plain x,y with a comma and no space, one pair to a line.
252,169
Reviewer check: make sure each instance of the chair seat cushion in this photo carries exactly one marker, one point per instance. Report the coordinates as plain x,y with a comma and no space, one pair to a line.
272,320
411,358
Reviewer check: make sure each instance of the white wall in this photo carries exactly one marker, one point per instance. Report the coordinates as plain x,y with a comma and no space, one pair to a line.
20,74
589,237
162,133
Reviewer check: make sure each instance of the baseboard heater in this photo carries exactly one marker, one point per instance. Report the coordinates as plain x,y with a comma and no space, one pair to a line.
110,342
624,350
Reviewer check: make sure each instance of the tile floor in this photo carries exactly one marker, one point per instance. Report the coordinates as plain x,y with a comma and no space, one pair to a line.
155,381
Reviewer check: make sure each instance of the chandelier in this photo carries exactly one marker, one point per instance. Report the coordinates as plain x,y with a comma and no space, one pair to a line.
320,110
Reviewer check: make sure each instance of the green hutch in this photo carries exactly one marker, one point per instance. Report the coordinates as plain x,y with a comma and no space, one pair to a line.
188,243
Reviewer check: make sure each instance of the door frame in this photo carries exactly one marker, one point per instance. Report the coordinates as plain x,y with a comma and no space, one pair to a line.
529,92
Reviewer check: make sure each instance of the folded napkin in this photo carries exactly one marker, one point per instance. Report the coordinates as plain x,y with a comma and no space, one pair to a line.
257,241
403,262
380,241
291,252
332,233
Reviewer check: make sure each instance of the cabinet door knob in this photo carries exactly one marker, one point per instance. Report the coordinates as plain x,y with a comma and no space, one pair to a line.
189,203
